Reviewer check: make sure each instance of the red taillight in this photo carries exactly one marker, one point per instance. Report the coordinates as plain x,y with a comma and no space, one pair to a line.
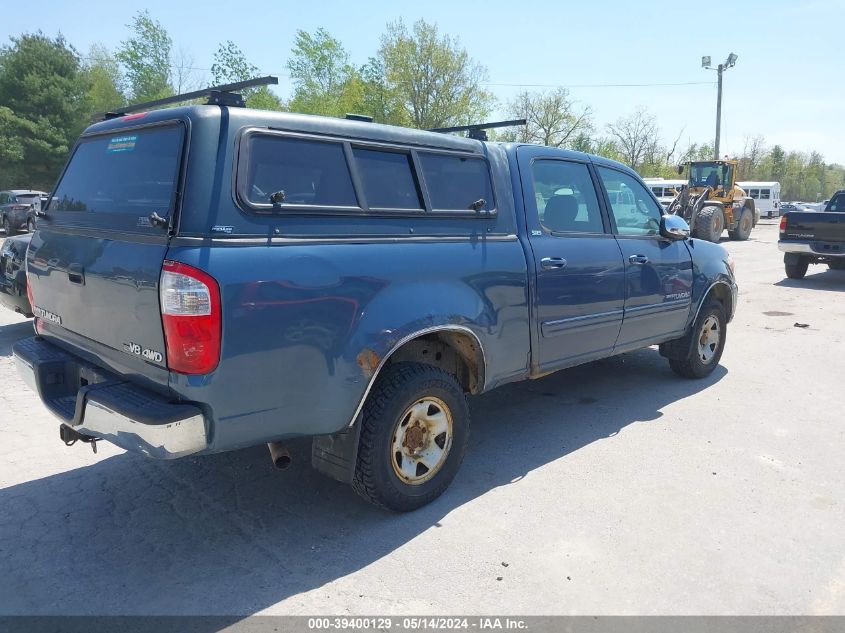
782,223
190,313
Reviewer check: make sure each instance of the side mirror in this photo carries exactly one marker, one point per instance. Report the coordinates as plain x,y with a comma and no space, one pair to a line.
674,227
680,169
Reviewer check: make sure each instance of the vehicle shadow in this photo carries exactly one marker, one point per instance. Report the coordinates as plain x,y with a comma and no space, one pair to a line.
228,535
11,333
833,280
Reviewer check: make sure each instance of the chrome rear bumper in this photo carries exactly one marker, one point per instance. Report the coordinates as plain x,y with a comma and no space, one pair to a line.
107,407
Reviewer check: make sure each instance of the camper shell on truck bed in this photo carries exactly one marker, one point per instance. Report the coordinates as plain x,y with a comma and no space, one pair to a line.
207,278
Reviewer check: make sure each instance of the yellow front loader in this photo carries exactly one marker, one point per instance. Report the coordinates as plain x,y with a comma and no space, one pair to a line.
712,202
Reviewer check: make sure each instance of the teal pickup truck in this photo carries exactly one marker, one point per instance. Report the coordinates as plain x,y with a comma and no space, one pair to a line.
210,277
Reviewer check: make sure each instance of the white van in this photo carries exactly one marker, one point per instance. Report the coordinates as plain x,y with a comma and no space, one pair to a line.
766,196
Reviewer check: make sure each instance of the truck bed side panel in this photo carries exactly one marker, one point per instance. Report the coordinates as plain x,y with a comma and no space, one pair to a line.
297,318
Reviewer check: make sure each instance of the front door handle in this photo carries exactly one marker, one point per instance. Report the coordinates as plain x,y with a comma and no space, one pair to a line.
551,263
638,259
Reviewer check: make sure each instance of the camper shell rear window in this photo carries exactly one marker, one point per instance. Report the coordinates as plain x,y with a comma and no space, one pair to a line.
289,173
132,172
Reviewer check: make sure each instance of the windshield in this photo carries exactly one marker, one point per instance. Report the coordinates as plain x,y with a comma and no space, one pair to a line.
132,172
716,175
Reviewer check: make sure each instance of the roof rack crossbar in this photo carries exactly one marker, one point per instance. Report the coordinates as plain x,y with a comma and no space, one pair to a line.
478,131
218,95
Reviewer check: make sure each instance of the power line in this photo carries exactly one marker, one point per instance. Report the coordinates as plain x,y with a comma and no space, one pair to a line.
503,85
647,85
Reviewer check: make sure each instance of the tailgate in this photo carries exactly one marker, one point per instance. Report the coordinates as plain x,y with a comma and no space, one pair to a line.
822,227
94,264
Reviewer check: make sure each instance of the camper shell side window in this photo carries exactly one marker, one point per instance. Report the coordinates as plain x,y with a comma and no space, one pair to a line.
298,174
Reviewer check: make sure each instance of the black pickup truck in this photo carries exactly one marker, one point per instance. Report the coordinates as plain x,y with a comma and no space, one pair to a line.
814,238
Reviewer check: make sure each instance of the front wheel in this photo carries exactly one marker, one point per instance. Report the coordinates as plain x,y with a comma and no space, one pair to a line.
30,225
7,227
701,349
414,432
709,224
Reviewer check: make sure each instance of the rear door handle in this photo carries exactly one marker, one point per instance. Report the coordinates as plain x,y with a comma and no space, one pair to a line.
76,274
550,263
638,259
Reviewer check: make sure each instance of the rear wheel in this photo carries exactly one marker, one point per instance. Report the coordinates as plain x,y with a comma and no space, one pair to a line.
702,347
709,224
414,431
744,226
797,269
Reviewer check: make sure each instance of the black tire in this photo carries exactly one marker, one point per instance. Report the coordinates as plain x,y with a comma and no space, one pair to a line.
386,411
689,363
797,269
7,227
743,227
709,224
838,264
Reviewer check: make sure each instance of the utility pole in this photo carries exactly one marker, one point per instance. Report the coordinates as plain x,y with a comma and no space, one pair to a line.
730,62
718,113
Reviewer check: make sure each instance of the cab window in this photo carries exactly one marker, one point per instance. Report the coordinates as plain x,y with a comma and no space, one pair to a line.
837,203
566,198
633,209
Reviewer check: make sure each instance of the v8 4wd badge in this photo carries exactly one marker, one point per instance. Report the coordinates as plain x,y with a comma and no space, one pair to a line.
144,352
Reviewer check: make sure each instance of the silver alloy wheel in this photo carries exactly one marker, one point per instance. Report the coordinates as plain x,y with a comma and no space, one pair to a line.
421,440
708,339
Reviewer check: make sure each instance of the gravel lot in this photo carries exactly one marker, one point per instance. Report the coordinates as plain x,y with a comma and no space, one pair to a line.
613,488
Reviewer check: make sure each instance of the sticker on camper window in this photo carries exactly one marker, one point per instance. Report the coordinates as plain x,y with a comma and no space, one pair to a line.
122,144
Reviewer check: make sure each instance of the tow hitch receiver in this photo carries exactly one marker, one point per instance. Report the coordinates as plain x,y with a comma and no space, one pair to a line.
70,437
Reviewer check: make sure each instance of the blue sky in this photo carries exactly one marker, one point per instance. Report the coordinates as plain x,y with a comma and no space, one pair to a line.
787,85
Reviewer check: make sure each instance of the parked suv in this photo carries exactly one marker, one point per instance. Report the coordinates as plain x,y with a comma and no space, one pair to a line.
208,278
19,208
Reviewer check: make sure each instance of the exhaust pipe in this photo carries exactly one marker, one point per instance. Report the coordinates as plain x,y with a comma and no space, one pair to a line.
279,454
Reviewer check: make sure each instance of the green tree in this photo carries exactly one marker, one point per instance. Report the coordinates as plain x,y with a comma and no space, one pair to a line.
43,108
552,118
607,147
104,80
146,59
324,81
231,66
635,137
379,100
582,142
435,79
777,163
